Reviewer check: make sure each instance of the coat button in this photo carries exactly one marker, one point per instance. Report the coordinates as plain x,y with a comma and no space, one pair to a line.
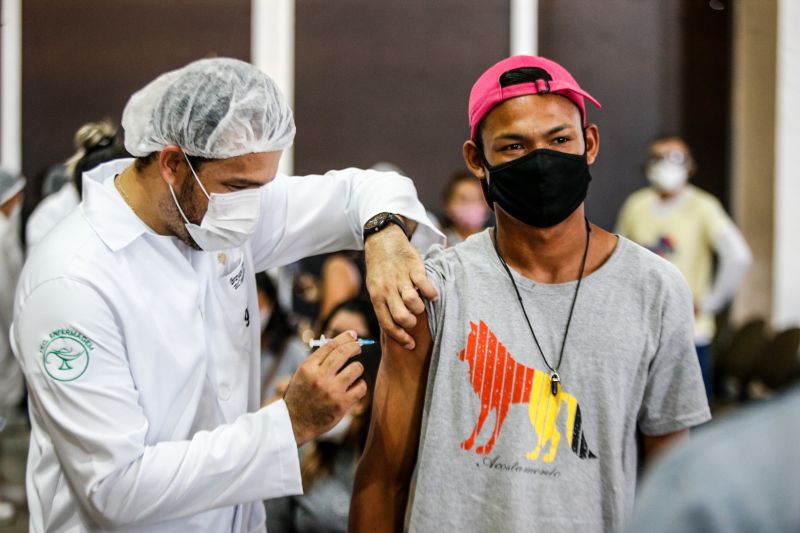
224,392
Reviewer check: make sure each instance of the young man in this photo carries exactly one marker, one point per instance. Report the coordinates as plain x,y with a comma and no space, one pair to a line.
687,227
554,345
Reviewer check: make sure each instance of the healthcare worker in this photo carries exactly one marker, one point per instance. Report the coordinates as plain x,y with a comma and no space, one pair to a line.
136,319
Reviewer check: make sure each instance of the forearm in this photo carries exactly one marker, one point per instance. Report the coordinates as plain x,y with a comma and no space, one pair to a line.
240,462
379,502
383,478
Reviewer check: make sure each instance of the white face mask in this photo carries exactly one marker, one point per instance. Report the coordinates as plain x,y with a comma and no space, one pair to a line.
337,433
230,220
667,176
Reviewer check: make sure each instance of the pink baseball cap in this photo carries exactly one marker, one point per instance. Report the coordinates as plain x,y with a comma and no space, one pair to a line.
488,91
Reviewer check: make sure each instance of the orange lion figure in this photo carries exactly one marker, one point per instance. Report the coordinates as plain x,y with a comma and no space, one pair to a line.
499,381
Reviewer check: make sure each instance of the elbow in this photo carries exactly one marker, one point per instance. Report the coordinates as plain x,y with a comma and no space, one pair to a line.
108,506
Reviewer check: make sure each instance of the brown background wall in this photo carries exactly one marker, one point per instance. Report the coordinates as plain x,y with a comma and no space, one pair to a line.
389,81
657,67
82,60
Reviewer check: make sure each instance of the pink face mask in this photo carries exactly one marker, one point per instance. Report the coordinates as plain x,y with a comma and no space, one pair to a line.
470,216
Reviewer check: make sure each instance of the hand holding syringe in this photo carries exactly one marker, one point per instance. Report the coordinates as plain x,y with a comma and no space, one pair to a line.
322,341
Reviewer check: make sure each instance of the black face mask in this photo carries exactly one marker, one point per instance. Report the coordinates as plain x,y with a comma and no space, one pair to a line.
541,188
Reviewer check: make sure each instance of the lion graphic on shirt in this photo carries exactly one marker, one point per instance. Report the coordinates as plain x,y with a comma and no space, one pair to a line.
500,381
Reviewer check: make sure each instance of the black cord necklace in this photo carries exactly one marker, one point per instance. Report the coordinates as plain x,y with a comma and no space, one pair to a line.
555,379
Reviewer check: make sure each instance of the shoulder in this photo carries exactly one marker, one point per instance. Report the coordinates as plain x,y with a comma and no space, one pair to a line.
639,198
446,261
706,473
649,271
69,251
705,202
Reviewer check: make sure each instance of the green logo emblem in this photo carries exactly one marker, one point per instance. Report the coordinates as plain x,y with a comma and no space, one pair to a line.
65,354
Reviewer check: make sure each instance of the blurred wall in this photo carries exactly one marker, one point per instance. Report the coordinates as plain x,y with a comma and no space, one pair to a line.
82,60
389,81
753,160
657,67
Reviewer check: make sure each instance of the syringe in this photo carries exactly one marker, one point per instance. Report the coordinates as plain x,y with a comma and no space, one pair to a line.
322,341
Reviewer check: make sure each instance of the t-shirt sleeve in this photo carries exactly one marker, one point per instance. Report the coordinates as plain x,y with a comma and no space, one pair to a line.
674,396
436,269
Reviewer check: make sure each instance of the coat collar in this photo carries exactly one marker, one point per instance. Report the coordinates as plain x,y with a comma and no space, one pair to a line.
106,211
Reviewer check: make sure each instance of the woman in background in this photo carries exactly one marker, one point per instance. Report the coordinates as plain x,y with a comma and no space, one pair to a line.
328,464
464,208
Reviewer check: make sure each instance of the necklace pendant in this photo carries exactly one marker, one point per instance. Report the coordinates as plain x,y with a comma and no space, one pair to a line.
555,381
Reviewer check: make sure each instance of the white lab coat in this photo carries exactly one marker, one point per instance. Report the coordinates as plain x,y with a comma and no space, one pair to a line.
155,425
50,211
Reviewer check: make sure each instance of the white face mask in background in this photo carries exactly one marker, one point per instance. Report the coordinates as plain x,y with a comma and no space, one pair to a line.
337,433
230,220
667,176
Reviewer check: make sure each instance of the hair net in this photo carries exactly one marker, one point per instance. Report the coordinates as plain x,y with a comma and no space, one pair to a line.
10,184
213,108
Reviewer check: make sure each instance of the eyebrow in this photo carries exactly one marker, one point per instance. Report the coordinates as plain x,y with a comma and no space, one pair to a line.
519,137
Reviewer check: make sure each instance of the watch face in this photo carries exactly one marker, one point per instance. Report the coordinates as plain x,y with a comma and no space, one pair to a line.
376,222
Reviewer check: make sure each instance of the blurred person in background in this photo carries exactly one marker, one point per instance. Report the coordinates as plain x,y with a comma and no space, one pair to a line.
282,351
738,475
464,207
12,384
328,464
687,226
95,144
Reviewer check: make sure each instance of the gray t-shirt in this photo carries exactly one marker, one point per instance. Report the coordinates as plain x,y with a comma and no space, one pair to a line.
498,452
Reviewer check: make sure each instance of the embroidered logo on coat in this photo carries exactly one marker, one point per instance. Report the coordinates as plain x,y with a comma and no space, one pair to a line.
65,354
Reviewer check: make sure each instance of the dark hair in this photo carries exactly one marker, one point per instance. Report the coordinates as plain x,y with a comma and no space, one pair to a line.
455,178
141,162
279,329
95,157
360,306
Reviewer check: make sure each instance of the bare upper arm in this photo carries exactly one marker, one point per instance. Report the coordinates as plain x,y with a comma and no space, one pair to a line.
398,401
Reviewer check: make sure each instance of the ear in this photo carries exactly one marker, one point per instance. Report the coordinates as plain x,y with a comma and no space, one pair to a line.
170,160
473,160
592,136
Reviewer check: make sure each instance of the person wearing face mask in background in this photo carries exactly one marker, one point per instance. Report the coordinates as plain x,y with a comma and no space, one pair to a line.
688,227
328,464
464,208
136,320
12,384
282,351
555,349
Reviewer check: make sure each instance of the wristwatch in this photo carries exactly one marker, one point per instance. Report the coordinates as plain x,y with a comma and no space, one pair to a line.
380,221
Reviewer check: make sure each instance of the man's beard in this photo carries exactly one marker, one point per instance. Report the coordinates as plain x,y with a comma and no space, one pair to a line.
187,199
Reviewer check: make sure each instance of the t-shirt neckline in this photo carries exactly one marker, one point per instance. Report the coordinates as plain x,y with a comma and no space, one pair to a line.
529,284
